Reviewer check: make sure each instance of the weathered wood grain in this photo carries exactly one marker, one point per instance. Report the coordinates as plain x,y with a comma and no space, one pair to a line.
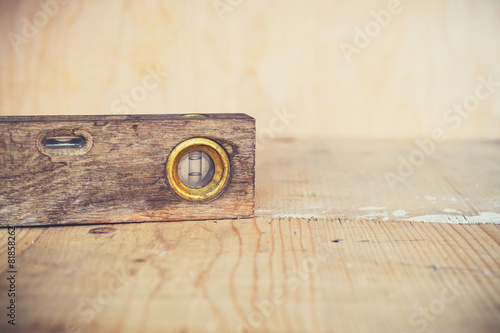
459,182
259,275
122,177
281,271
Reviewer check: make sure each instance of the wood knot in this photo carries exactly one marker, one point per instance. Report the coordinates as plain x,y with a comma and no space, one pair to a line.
102,230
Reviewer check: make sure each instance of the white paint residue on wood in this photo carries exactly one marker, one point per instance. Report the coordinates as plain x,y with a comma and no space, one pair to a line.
375,215
483,217
451,210
399,212
300,216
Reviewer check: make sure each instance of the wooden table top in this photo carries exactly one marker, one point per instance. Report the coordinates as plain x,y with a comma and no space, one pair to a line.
333,247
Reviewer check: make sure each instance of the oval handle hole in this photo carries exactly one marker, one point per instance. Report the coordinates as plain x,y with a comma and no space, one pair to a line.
58,142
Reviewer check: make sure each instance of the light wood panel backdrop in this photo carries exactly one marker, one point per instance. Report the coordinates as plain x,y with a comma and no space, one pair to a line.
259,57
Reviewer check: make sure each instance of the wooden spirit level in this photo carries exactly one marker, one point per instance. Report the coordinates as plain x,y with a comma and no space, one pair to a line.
126,168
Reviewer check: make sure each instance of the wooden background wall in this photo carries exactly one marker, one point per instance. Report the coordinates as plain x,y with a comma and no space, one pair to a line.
260,57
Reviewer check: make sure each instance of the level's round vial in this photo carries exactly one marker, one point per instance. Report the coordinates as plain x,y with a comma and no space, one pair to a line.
196,169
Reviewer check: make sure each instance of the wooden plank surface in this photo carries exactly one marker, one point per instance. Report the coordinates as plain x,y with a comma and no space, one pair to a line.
457,182
122,178
280,275
273,273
